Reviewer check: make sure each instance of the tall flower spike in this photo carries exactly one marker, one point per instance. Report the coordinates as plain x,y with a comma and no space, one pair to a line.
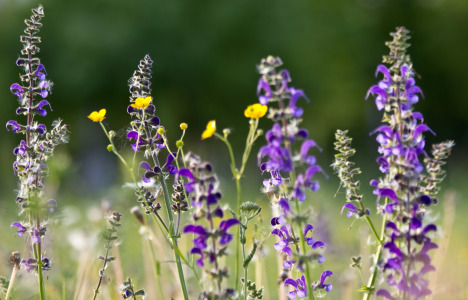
37,146
287,156
408,186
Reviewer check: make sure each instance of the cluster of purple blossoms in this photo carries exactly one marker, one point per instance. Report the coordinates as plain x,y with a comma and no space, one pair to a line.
38,144
291,175
407,187
210,241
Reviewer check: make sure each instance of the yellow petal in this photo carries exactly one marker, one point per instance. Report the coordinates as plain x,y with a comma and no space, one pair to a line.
255,111
141,103
210,130
98,116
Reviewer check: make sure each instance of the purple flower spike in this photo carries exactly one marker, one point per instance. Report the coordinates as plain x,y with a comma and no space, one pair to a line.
21,229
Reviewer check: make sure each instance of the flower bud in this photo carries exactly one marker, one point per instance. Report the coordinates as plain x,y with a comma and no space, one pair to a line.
180,144
183,126
110,147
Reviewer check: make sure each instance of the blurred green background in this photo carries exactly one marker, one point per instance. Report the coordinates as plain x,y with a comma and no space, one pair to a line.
205,55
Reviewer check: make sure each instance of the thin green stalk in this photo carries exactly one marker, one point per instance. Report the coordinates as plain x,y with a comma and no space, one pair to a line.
39,273
246,269
238,236
237,174
373,277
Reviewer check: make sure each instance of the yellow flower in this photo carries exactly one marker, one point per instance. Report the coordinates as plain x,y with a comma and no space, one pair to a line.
210,130
98,116
141,103
183,126
255,111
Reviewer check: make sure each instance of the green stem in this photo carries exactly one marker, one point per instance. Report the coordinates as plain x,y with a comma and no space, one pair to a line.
373,277
40,276
238,235
237,174
246,269
371,225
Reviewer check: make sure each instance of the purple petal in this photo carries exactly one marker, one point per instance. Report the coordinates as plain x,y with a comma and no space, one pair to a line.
376,90
389,193
430,227
383,293
14,126
321,259
349,206
324,276
16,89
145,165
290,281
382,69
283,203
35,238
185,172
132,135
226,224
420,129
318,244
197,229
308,228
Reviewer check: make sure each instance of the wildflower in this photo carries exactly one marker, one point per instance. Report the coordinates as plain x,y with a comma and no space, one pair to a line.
183,126
210,130
38,144
300,287
406,185
98,116
255,111
282,157
21,229
141,103
322,285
